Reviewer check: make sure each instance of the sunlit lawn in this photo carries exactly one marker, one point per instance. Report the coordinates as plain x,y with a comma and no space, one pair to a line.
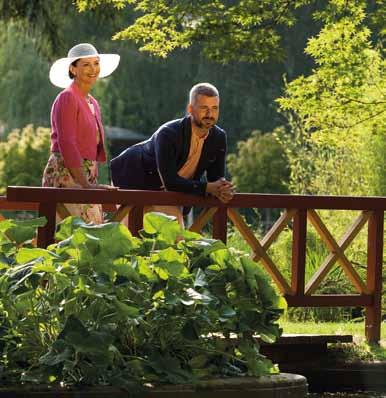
356,329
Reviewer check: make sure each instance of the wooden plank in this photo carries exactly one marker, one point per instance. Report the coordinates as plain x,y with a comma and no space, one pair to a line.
277,228
260,253
9,205
135,223
346,240
299,237
46,234
143,198
273,271
243,228
62,210
335,249
203,218
109,207
375,247
220,220
121,213
296,339
330,300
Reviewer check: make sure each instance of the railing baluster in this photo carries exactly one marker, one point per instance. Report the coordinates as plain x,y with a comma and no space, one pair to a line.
299,236
202,219
135,223
375,241
220,219
46,234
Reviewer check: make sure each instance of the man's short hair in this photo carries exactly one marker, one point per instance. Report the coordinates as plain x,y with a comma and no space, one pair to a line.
206,89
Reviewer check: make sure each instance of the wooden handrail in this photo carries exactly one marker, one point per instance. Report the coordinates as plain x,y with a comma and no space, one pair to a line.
240,200
298,210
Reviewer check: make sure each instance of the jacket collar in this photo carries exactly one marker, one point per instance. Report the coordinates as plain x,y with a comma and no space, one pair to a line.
78,92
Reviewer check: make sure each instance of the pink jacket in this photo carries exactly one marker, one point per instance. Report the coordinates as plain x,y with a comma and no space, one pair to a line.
74,128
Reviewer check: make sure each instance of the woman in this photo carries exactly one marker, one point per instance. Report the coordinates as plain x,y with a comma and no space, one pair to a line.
77,137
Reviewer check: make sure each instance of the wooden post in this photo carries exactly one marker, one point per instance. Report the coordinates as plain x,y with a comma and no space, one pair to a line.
135,222
299,236
220,219
374,276
46,234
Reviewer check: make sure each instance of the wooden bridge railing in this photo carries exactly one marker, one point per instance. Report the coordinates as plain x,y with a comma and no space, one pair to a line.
298,209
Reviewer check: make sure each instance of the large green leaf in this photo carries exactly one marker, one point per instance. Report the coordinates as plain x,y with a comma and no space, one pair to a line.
154,221
67,226
25,254
124,267
162,226
21,231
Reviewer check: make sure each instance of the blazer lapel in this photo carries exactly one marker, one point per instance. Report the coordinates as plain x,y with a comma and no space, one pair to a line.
186,136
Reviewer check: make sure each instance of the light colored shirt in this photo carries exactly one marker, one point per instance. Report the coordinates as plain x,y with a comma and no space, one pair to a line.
92,109
189,167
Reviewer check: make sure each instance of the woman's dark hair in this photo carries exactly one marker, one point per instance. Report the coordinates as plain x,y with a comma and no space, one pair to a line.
73,64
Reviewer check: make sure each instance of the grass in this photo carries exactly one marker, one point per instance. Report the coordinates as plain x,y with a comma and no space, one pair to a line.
357,329
359,351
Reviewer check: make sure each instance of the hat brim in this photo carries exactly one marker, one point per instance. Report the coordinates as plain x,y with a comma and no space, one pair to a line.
59,70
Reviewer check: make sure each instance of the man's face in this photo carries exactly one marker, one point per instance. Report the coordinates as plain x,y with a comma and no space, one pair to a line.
205,111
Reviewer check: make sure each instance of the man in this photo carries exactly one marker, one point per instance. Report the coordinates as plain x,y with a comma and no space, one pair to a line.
178,154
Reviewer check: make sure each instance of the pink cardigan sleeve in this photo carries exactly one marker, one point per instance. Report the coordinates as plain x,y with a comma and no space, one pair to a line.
65,118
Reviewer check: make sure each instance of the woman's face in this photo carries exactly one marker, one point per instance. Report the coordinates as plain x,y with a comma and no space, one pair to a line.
86,70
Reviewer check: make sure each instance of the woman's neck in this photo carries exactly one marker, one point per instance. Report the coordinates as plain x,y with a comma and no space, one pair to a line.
84,88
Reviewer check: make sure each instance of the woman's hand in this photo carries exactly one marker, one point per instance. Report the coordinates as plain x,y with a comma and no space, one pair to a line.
81,180
104,186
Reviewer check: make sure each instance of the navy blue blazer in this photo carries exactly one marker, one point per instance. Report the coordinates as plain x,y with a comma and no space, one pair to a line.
153,164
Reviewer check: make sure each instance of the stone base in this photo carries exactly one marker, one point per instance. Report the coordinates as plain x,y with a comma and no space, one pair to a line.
284,385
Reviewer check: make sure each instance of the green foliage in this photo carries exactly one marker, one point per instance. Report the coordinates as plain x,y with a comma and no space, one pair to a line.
26,96
238,30
41,18
259,165
338,114
103,307
23,157
347,88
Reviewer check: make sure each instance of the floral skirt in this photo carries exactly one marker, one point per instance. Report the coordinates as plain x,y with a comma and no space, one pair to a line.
57,175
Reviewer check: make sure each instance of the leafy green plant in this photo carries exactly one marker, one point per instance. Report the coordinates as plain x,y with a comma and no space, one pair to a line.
104,307
23,156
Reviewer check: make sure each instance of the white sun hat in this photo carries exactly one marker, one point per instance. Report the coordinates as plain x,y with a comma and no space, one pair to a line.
59,70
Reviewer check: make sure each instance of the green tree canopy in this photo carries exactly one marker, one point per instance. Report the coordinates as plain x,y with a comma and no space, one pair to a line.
338,112
244,30
226,30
